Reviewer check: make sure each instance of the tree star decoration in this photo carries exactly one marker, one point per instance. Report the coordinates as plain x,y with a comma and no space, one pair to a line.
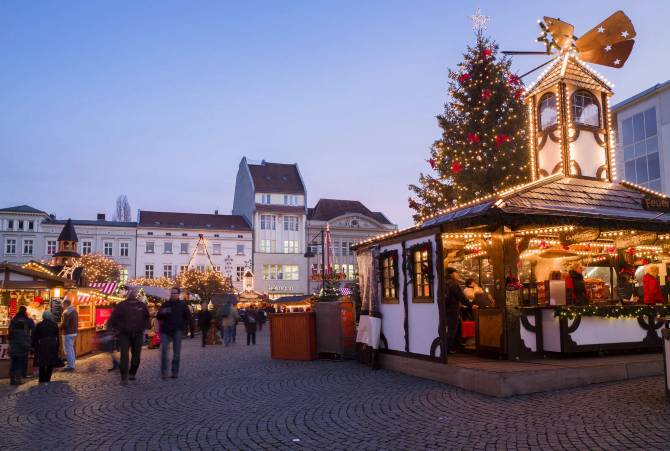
479,21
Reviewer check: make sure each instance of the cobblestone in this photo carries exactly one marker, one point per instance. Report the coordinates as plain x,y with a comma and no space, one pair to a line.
238,398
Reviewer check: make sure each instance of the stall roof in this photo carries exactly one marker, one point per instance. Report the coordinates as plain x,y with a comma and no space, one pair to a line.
292,299
38,278
555,196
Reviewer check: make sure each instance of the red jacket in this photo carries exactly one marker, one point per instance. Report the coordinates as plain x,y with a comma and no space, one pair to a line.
652,290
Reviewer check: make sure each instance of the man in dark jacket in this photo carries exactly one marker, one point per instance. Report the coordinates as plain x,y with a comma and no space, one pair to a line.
204,321
250,321
21,328
453,300
174,315
70,328
130,319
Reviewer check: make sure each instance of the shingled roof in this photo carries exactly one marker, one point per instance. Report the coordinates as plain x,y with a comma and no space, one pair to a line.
22,209
191,220
276,178
327,209
68,233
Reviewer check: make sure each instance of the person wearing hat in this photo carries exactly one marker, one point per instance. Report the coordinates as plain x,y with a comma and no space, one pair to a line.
46,342
21,328
453,300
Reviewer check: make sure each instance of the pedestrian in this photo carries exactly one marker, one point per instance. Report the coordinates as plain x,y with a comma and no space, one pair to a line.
69,326
260,317
454,299
229,322
174,317
130,319
21,328
575,285
204,321
191,324
46,343
651,286
250,325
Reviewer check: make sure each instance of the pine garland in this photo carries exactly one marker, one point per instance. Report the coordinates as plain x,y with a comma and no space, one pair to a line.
627,311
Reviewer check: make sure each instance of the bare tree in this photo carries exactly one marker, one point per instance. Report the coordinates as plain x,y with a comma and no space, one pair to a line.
122,210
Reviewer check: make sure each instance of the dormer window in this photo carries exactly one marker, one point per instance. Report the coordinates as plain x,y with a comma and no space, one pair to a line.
585,109
547,111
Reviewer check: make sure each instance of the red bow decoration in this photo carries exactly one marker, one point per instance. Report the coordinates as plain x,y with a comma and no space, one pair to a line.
485,54
514,79
518,93
456,167
486,94
463,77
501,139
473,138
432,163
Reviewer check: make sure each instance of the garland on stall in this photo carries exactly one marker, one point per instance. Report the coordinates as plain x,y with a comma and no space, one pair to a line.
633,311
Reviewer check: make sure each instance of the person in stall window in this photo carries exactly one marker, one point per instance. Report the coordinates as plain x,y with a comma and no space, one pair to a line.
476,294
576,286
454,299
651,286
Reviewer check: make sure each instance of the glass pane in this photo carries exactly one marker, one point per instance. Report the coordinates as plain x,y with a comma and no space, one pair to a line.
655,185
627,130
628,153
640,149
654,166
641,170
630,171
638,127
652,145
548,112
650,122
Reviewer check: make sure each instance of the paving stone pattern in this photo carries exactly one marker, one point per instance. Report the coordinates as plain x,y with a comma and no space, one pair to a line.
238,398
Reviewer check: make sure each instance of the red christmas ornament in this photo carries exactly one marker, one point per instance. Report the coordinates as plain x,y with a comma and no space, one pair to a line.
501,139
485,54
464,77
518,93
473,138
514,79
486,94
432,163
630,251
611,249
456,167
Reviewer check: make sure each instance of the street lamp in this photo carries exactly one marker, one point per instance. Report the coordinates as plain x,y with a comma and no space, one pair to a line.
309,254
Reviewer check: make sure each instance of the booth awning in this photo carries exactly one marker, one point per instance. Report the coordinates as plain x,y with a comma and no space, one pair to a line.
105,287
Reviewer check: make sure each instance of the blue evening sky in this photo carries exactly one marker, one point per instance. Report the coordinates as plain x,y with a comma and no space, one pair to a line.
161,99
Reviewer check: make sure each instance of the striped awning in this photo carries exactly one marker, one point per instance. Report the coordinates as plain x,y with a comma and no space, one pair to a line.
83,299
105,287
345,291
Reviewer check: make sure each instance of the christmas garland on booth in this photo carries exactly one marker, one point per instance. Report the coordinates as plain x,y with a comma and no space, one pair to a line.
632,311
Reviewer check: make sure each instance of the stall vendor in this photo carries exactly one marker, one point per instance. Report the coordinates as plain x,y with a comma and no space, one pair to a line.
651,286
575,285
476,294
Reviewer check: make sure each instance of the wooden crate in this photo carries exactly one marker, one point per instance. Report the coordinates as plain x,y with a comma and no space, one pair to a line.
293,336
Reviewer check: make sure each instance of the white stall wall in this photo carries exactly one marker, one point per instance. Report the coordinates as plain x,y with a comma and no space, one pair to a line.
393,315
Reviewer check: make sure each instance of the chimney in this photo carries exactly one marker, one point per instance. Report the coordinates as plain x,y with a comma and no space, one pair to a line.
101,216
216,212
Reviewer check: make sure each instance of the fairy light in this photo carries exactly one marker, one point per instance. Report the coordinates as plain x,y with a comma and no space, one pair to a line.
531,136
546,230
642,188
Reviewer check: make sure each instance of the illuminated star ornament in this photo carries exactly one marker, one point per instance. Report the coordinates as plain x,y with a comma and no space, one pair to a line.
479,21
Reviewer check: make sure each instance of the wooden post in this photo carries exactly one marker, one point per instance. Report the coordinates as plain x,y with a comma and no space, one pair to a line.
407,280
439,294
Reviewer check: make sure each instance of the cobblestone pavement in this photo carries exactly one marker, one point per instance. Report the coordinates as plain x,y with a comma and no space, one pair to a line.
238,398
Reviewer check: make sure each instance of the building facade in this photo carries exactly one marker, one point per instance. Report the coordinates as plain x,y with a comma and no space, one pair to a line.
643,138
22,234
168,243
272,197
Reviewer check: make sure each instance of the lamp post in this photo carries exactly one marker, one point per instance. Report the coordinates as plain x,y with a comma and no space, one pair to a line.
309,254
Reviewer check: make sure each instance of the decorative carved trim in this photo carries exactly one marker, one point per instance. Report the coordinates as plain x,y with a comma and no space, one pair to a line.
543,173
574,137
575,324
556,169
601,141
383,342
601,170
437,343
526,324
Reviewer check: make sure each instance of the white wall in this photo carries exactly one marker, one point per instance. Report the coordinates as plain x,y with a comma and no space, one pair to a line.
393,315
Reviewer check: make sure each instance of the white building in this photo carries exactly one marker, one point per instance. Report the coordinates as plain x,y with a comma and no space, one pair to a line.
22,234
272,197
643,138
166,242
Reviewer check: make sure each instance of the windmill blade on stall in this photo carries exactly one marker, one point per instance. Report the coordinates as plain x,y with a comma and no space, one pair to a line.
609,43
562,32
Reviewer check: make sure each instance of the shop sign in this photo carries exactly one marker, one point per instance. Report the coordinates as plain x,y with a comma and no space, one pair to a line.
4,351
582,236
280,288
654,203
635,240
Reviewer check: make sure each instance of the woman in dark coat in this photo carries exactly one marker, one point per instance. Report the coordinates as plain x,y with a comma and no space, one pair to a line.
46,342
21,328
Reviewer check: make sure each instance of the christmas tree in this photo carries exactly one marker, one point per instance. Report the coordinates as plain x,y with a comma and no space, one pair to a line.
483,147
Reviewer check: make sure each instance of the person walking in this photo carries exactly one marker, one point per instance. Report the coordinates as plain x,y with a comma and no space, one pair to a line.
174,316
651,286
250,321
46,343
260,317
454,299
69,326
204,321
229,323
21,328
130,319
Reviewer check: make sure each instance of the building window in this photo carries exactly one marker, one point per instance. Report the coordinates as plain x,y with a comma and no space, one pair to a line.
240,249
389,276
216,249
217,269
183,248
239,273
167,270
268,222
20,225
10,247
51,247
271,272
315,248
585,109
345,248
149,271
150,233
184,234
547,111
640,150
265,199
27,247
291,223
108,248
168,233
183,268
336,248
200,268
86,247
290,199
167,247
348,271
10,224
123,275
291,272
31,225
149,247
291,247
124,249
268,246
422,275
316,270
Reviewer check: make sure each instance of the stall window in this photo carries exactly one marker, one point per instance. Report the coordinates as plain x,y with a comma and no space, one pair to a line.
389,279
547,111
422,276
585,109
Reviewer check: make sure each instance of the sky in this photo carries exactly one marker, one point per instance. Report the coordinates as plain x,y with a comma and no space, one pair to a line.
160,100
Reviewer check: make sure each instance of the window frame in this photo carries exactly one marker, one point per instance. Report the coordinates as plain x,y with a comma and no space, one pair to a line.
13,246
29,244
573,105
108,245
385,276
427,276
124,249
52,244
167,270
86,247
240,249
264,222
183,248
149,245
546,96
216,248
167,247
149,271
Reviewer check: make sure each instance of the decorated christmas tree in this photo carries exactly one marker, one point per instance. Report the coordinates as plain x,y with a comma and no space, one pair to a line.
483,147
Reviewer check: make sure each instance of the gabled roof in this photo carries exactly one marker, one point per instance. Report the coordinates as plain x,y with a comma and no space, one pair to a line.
276,178
192,220
327,209
571,70
93,222
22,209
68,233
